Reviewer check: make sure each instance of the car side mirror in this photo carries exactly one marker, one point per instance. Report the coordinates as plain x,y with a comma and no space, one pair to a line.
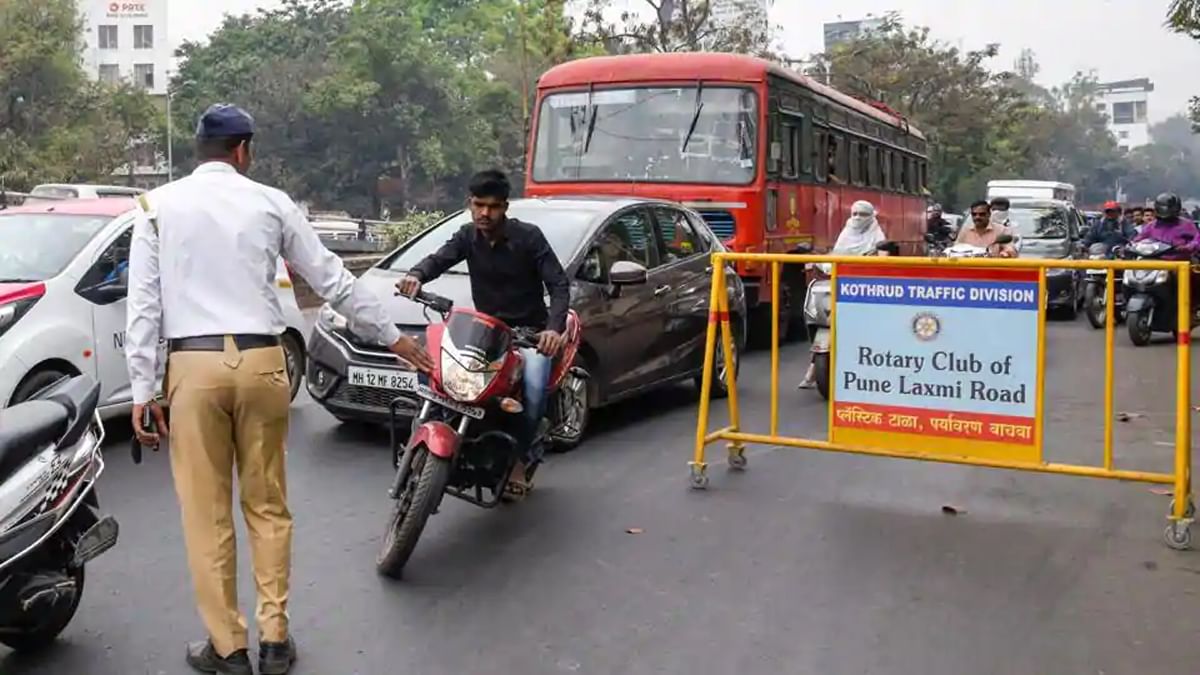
627,273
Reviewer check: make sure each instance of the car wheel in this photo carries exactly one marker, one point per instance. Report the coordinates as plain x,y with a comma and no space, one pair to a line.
293,356
720,386
572,409
35,382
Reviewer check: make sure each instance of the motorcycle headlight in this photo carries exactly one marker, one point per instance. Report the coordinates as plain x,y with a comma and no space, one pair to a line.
467,381
330,320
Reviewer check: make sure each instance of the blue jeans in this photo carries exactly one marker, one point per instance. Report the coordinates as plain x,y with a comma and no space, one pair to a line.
536,379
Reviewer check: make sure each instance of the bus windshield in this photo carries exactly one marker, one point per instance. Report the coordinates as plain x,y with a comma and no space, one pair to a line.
650,134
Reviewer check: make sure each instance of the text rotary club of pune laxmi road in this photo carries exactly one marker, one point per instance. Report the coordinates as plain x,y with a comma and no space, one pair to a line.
937,361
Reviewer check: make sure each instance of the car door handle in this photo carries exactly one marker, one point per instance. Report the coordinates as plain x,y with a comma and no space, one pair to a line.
662,289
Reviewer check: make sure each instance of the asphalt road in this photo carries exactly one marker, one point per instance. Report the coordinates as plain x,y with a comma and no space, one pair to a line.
808,563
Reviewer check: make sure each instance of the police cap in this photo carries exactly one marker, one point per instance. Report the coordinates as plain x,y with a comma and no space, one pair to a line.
224,120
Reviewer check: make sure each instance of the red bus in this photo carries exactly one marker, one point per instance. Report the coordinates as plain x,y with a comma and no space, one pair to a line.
771,158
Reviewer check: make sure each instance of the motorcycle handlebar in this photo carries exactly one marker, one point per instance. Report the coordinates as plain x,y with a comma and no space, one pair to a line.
434,301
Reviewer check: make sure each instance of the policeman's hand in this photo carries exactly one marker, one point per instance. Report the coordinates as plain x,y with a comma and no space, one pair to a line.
412,351
409,286
146,437
551,342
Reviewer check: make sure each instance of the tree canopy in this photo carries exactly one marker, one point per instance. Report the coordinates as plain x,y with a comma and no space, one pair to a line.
55,124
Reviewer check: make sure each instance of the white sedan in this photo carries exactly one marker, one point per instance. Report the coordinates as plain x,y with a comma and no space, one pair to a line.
62,300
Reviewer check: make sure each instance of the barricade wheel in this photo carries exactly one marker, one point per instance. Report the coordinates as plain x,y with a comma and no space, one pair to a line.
1178,536
1189,513
699,478
737,460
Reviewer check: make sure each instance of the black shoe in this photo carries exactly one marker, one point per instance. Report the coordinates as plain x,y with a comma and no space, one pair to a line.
203,657
276,658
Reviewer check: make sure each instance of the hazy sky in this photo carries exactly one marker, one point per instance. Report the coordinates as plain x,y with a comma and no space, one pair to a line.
1119,39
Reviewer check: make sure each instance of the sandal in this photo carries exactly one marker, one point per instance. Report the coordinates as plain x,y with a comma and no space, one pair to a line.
516,490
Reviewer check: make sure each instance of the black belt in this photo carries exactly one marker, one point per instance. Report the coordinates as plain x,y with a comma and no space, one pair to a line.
216,343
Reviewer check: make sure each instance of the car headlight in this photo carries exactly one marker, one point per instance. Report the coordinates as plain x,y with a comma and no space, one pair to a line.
330,320
11,312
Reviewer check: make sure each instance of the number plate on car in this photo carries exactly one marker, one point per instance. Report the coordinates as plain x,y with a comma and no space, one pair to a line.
382,378
431,395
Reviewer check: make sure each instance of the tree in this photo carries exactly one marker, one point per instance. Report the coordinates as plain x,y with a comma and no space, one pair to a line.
680,26
1183,16
55,125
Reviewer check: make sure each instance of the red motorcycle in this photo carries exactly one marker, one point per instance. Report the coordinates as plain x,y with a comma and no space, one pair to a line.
464,439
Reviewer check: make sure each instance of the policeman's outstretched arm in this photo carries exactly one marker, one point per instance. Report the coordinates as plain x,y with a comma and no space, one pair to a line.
328,276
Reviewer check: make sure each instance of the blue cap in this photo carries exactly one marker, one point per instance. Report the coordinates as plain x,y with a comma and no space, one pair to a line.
223,120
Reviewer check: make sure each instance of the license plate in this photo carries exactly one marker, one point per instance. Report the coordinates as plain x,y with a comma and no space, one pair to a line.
382,378
430,395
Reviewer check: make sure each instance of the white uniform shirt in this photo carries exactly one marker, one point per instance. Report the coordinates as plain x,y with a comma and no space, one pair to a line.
203,262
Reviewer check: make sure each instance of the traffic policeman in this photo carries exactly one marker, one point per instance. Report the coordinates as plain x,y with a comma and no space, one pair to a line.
201,276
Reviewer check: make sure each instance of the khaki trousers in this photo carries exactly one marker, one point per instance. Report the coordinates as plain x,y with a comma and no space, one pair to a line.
231,408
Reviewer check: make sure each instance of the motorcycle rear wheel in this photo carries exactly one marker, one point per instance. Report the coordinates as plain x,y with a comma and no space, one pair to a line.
418,500
46,632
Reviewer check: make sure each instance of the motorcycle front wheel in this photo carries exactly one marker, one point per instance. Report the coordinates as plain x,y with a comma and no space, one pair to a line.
1093,306
1139,328
821,373
418,499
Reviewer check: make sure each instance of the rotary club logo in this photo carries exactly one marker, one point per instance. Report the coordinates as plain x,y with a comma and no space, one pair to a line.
926,326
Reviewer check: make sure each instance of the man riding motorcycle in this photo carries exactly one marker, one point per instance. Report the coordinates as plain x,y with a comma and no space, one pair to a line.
987,230
1170,227
1112,231
937,227
511,266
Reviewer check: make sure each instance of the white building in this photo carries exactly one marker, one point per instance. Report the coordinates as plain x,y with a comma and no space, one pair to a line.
844,31
127,40
1124,103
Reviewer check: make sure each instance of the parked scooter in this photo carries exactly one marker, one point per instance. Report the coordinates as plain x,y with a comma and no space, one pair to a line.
50,525
465,438
1151,304
1096,286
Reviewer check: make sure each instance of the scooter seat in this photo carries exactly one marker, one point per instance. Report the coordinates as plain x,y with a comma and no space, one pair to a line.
26,429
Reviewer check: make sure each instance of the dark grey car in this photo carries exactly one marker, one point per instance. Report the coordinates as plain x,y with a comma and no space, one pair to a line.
1050,229
635,337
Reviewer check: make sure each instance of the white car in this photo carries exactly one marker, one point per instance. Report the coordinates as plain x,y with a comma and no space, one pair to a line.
62,300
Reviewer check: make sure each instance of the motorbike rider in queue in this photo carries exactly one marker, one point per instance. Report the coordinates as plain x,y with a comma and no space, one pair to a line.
511,266
986,230
1170,227
1000,207
1112,230
861,235
937,226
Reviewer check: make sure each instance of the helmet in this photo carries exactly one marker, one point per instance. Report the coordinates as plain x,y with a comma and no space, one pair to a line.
1167,206
1112,206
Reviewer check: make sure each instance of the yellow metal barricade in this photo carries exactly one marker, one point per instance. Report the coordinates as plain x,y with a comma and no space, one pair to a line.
982,453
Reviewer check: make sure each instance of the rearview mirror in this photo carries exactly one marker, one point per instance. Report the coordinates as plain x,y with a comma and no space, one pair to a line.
626,273
803,248
1004,239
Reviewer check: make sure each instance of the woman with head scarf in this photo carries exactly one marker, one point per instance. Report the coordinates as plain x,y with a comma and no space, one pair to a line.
860,236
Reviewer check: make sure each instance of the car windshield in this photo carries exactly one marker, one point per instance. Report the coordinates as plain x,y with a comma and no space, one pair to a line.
564,229
1043,223
38,246
640,134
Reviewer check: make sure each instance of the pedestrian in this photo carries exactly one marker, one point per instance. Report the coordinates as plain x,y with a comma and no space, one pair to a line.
201,276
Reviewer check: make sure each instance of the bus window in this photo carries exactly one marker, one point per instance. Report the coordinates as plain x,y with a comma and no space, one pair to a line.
897,172
807,150
884,162
820,162
791,150
838,166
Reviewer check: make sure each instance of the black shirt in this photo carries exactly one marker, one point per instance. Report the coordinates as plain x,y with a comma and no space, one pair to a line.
508,277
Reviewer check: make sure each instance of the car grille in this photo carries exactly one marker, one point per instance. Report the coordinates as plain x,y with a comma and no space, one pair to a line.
369,397
721,222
